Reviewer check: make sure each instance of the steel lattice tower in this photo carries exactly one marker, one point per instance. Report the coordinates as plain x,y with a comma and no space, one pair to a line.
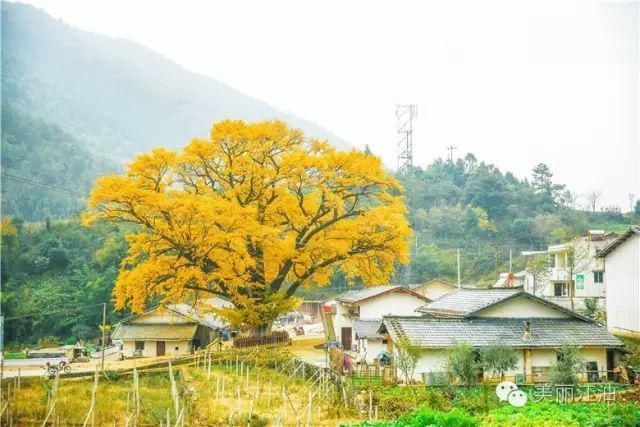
405,115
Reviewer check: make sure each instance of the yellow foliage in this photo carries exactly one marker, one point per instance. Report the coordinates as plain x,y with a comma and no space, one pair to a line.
251,214
7,228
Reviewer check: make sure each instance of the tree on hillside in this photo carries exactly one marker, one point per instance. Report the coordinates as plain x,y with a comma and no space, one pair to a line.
592,199
251,214
543,184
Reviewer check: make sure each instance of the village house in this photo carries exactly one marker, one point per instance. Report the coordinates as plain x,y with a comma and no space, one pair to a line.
433,289
622,266
574,272
354,317
171,329
531,325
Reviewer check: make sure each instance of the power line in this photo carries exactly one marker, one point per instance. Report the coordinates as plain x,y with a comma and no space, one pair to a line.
52,312
41,184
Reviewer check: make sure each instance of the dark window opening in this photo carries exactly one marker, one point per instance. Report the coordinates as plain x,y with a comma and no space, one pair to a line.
139,345
598,276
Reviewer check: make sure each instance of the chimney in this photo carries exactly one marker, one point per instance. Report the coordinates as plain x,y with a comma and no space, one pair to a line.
527,330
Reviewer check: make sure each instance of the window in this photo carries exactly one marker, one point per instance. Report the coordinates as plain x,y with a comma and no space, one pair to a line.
139,345
560,289
598,277
177,348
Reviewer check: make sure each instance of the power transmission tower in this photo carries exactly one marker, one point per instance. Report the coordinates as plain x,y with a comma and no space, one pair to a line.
405,115
451,148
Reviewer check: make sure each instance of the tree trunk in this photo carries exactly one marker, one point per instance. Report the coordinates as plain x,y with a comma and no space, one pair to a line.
260,330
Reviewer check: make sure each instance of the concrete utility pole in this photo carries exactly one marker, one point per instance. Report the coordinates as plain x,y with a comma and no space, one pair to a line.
510,261
104,330
459,285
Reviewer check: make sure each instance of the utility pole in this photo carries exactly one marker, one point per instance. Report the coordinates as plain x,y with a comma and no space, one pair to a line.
451,148
459,285
405,115
104,330
510,261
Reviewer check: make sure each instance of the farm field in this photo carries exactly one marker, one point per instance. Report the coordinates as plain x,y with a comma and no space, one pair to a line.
222,394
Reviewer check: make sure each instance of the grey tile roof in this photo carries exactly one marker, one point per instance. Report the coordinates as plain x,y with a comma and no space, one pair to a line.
481,332
361,294
155,332
201,313
367,329
462,302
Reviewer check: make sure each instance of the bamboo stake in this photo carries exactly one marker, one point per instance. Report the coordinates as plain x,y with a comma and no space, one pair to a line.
168,417
269,396
238,394
370,403
217,388
309,411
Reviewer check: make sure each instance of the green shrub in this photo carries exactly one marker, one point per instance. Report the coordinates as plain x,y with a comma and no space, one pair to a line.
569,364
569,415
428,417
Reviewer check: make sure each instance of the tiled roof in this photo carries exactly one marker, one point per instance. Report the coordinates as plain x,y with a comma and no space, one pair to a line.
155,332
482,332
360,294
356,296
634,229
465,301
201,313
366,329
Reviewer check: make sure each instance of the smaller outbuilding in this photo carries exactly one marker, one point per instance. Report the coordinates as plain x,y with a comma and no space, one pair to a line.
433,289
171,329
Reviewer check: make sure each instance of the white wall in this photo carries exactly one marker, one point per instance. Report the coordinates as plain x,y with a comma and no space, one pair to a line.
370,348
622,276
184,347
394,303
522,307
435,289
435,360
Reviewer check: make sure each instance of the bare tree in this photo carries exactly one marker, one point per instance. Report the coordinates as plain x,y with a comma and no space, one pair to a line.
592,199
632,201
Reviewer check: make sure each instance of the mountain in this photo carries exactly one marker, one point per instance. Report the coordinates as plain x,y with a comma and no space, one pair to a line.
45,171
118,96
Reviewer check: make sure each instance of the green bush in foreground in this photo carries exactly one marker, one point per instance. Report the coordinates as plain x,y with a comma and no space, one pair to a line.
538,414
576,414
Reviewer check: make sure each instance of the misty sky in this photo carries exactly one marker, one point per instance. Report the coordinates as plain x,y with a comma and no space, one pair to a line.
515,82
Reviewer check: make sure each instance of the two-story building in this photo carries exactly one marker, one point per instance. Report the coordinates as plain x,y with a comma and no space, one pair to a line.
572,274
622,268
354,317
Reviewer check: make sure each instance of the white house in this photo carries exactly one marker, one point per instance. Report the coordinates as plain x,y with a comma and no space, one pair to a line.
574,274
433,289
171,329
531,325
622,268
354,317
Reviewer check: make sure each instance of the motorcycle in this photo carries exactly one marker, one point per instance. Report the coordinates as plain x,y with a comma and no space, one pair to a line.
53,369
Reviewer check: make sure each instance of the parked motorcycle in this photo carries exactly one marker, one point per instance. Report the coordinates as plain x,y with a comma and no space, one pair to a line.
53,369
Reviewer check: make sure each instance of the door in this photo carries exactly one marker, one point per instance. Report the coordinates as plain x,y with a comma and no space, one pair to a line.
345,338
159,348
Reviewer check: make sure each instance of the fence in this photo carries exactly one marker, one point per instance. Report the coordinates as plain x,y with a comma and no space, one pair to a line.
276,338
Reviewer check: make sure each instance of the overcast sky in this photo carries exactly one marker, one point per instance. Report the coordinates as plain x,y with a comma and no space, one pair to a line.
514,82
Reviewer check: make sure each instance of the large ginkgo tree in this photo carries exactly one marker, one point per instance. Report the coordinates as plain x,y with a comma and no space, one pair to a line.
251,215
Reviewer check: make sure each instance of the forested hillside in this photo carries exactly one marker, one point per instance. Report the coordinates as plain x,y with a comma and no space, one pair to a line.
485,212
61,272
38,152
117,96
